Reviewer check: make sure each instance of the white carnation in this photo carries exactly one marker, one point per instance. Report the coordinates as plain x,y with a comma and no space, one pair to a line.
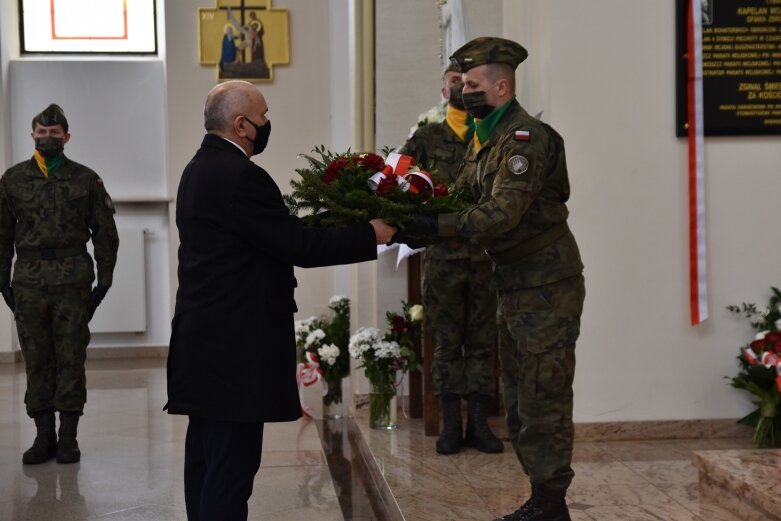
363,340
328,353
337,299
314,337
384,349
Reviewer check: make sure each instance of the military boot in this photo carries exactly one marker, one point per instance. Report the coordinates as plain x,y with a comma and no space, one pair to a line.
525,509
45,445
478,433
449,441
67,446
544,505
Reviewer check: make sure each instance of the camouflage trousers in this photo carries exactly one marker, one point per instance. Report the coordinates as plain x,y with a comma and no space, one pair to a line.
52,325
538,328
460,309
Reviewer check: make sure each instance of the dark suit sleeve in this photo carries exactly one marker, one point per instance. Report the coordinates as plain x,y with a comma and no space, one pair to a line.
269,226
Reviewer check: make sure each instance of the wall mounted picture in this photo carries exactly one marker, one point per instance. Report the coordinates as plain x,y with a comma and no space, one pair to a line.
244,39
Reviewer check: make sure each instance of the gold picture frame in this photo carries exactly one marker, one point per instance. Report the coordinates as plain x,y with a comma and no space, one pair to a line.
244,39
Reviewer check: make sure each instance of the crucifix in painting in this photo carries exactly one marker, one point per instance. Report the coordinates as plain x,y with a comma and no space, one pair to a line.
244,39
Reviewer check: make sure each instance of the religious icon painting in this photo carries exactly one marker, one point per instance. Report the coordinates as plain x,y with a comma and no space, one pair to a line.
244,39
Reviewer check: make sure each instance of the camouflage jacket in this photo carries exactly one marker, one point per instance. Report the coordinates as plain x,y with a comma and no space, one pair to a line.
439,150
49,221
519,178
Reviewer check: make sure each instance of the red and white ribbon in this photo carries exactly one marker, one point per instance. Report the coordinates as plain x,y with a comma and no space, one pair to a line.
697,253
308,373
750,355
397,164
423,175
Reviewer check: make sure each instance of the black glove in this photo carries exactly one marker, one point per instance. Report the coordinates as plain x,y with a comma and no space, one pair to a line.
8,296
95,298
419,230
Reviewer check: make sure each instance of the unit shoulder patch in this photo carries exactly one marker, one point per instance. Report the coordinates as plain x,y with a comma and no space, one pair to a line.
518,164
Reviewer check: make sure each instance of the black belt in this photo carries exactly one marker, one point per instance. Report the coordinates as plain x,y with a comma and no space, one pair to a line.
532,245
43,253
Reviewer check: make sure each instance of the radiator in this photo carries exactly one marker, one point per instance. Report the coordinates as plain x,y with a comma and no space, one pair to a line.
124,308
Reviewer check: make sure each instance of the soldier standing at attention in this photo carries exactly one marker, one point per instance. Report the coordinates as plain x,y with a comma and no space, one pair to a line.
516,166
50,207
459,303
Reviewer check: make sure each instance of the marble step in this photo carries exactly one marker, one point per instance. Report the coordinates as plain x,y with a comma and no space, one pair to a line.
744,482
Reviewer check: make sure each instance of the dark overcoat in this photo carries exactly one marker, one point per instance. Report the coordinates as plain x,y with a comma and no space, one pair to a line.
232,351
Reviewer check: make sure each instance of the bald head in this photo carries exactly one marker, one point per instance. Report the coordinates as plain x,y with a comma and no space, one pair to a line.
236,110
228,100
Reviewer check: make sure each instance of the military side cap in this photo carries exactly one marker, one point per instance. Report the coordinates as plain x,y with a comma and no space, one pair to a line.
488,49
50,116
453,67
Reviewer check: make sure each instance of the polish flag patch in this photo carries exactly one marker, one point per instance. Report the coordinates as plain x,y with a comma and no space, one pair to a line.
522,135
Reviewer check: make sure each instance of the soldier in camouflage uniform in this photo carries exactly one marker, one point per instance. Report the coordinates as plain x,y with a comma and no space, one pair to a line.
50,207
517,170
459,302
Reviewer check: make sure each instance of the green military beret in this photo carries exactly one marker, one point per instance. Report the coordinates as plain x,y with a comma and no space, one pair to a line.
488,50
50,116
452,67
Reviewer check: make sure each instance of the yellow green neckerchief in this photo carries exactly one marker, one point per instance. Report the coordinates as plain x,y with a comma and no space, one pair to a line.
460,122
47,164
484,127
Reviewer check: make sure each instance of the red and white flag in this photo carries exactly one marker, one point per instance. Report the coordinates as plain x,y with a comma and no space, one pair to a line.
522,135
697,252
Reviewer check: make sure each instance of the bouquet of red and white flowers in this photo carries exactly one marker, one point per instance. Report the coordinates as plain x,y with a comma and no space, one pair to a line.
322,349
760,370
348,188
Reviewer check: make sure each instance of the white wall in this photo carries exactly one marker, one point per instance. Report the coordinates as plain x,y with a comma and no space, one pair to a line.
604,71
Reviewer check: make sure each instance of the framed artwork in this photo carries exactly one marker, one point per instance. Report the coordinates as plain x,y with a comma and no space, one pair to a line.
244,39
88,26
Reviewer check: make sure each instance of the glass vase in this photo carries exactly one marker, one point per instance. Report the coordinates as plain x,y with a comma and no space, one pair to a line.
382,407
333,407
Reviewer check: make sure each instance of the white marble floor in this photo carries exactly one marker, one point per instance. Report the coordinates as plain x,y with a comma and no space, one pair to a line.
132,457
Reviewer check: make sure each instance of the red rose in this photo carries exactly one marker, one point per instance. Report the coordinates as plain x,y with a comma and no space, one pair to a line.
387,185
334,169
440,190
398,324
371,162
773,341
758,345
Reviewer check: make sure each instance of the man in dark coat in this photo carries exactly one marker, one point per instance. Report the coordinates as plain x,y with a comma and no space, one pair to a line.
231,364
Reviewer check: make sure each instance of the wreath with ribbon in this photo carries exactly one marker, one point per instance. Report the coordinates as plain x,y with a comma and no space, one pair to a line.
348,188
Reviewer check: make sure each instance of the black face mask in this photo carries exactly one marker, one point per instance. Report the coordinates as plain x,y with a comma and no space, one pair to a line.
49,146
262,133
477,104
457,97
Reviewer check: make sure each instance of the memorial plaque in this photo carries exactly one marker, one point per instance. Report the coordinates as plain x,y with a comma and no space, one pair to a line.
741,63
